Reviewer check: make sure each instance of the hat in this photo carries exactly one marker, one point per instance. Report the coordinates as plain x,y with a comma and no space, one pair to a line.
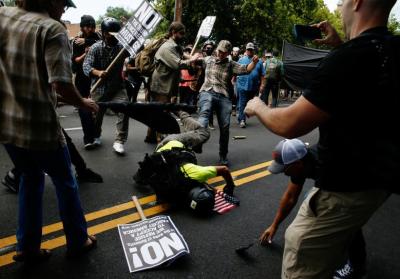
268,54
224,46
286,152
87,20
235,49
250,46
70,4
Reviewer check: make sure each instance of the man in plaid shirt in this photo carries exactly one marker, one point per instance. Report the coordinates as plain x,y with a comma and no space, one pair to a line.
29,126
214,92
99,57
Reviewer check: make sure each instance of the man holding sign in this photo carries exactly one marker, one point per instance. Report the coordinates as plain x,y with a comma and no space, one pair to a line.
99,57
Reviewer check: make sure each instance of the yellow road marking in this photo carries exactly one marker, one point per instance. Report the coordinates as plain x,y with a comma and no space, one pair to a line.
61,241
11,240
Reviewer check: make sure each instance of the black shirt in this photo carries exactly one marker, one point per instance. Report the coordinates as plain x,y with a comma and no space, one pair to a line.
354,84
310,164
82,82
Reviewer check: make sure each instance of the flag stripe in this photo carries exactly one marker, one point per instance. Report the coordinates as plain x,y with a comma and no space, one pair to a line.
223,203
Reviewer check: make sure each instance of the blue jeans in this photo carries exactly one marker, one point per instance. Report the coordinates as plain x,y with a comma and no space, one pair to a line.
57,164
243,97
210,101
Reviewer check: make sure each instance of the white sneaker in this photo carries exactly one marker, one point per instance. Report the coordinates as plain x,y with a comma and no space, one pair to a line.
119,148
97,142
242,124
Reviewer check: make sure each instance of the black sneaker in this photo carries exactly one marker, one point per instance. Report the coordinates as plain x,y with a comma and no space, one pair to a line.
88,175
223,161
11,182
348,271
90,146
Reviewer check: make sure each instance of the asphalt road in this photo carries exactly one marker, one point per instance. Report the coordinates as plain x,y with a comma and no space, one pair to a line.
212,241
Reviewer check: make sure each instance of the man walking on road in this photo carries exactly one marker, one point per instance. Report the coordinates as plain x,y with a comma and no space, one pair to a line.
29,127
250,85
273,77
80,48
343,201
99,57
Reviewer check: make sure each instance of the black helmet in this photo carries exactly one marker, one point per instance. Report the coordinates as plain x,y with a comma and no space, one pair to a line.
110,24
209,42
201,200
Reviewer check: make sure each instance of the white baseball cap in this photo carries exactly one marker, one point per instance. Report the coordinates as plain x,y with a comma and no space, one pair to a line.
286,152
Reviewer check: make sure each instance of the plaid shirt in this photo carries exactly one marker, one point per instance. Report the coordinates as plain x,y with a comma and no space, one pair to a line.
99,57
219,73
35,52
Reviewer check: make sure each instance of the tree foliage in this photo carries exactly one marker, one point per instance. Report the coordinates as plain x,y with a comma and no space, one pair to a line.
267,23
117,13
9,3
394,25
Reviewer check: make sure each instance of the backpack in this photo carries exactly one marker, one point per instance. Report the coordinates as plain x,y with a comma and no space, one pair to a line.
144,60
273,71
162,172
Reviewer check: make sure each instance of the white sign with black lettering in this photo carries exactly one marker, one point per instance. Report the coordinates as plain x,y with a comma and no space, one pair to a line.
206,26
135,31
151,242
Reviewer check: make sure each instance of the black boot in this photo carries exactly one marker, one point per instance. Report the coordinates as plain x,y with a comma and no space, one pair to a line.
87,175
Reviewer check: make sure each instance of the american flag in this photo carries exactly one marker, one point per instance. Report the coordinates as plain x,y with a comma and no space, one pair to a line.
224,203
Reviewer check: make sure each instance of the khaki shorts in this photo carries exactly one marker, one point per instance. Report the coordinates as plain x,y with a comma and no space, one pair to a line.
316,242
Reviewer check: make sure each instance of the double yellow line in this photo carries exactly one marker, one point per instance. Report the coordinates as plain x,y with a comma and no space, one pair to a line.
111,224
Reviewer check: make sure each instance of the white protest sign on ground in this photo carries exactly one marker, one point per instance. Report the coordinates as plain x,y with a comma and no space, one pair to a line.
133,34
151,242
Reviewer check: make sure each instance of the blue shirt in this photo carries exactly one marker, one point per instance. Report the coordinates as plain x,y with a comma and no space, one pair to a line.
250,82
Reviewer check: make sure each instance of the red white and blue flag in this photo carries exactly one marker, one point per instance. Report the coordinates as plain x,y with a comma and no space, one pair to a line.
224,202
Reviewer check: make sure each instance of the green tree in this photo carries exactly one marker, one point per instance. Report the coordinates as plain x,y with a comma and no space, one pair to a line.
9,3
117,13
264,22
394,25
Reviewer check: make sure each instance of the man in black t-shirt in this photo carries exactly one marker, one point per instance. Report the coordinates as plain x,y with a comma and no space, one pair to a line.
348,190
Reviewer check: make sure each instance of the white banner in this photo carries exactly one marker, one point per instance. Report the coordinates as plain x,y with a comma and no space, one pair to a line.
206,26
133,34
151,242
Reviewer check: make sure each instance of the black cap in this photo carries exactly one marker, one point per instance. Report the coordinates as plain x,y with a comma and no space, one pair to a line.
87,20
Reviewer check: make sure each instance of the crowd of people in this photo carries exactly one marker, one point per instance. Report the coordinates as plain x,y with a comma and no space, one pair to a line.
220,81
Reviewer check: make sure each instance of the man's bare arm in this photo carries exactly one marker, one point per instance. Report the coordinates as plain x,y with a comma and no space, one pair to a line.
71,96
294,121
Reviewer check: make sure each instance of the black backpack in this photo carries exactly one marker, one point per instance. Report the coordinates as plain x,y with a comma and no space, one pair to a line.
162,172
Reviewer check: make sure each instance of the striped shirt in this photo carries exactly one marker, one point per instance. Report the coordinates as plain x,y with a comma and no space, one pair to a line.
218,74
34,52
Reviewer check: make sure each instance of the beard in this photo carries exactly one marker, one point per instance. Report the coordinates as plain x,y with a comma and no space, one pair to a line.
179,41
